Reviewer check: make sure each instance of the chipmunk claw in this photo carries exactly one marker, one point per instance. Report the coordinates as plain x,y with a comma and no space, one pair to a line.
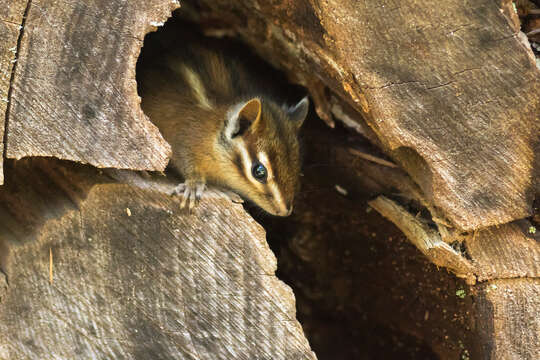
179,189
191,191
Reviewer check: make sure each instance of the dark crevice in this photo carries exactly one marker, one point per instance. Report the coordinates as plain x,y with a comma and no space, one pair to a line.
362,290
4,254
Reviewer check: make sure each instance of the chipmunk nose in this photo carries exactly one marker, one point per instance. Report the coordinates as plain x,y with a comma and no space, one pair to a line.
284,210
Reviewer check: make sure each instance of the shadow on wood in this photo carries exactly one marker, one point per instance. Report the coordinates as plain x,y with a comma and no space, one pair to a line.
134,276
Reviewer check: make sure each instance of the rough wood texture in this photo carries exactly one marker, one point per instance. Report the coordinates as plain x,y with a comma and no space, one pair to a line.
508,319
504,252
347,265
135,277
74,92
451,89
11,17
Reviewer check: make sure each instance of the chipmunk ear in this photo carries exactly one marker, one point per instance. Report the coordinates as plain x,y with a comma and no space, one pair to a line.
242,116
298,112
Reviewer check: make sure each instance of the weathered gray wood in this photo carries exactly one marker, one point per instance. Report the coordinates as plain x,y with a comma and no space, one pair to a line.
508,319
11,19
451,89
134,276
74,92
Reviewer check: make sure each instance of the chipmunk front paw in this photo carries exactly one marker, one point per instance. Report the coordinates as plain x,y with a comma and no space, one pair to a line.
191,190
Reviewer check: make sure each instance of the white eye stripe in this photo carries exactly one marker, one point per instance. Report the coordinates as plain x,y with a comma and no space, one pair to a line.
263,158
246,162
277,195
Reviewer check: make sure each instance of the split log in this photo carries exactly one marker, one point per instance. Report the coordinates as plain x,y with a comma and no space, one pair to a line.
109,271
508,318
11,19
448,90
65,289
74,94
507,310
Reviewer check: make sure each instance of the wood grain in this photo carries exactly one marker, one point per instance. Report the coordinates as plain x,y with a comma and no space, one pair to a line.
425,238
504,252
450,89
508,319
11,19
74,92
149,282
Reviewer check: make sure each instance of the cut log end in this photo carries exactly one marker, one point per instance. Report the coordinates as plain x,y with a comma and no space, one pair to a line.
154,280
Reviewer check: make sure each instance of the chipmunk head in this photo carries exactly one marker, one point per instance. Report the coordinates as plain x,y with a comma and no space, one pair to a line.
264,152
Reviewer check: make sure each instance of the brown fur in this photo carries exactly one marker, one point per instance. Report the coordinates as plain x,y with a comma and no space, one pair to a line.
201,151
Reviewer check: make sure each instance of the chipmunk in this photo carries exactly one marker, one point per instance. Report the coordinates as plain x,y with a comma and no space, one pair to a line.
222,127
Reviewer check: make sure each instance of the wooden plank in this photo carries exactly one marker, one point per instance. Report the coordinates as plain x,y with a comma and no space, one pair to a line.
451,89
134,276
74,92
11,19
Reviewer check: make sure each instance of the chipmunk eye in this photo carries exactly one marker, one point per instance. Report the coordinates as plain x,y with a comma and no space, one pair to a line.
259,172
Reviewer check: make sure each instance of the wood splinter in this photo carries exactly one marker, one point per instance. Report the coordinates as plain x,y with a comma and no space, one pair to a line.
427,240
372,158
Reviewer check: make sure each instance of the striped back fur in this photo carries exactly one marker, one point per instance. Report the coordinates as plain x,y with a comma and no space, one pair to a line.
223,126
